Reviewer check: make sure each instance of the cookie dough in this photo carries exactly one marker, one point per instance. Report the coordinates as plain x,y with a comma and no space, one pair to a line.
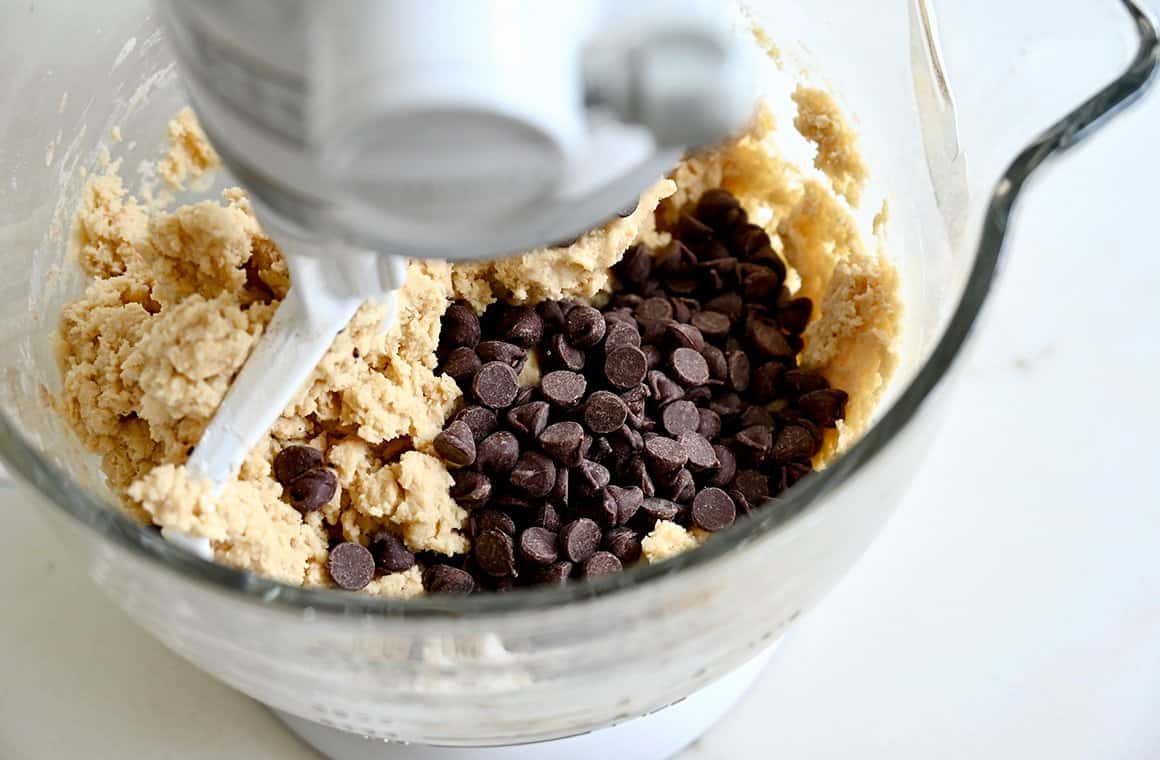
179,296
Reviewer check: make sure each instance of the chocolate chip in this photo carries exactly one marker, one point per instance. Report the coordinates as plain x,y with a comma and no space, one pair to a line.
798,382
662,388
681,487
559,353
756,442
683,308
685,336
715,359
538,546
632,438
664,454
680,417
497,454
526,395
502,351
602,563
390,553
625,366
522,326
720,210
793,472
604,412
794,315
728,304
546,516
617,315
684,285
495,553
709,424
635,398
727,470
491,519
351,566
653,356
603,509
578,539
635,267
628,501
480,419
757,415
529,419
445,579
621,334
584,326
726,405
761,286
754,485
534,475
636,472
561,441
623,543
743,505
622,445
699,450
793,443
693,230
591,478
674,260
495,385
294,461
739,372
312,489
471,488
657,509
462,364
824,407
699,394
456,444
460,327
763,382
689,367
713,510
552,315
766,339
713,324
556,574
563,388
626,301
654,310
748,240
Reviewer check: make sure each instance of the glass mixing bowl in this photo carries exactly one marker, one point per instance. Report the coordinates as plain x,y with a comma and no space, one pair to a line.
545,663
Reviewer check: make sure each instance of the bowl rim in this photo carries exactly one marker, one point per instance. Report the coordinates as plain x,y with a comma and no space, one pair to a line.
59,489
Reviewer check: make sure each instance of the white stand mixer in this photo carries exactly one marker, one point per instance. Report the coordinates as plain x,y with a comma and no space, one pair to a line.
371,131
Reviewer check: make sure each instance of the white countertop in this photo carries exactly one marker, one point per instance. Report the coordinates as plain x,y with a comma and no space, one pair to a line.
1011,609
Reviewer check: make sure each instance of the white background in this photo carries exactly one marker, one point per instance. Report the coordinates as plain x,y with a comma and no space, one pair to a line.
1011,609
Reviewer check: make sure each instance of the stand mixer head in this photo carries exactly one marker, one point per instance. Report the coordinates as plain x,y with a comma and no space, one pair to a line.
454,130
371,131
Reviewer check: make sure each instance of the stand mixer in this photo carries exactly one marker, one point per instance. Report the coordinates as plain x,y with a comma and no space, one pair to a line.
371,131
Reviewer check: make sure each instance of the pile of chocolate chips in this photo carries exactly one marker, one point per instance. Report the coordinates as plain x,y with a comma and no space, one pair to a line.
308,485
680,400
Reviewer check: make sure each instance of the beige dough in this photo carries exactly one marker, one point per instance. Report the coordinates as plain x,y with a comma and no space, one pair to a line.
179,297
666,540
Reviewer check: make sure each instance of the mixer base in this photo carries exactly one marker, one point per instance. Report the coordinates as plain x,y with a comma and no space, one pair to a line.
654,736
